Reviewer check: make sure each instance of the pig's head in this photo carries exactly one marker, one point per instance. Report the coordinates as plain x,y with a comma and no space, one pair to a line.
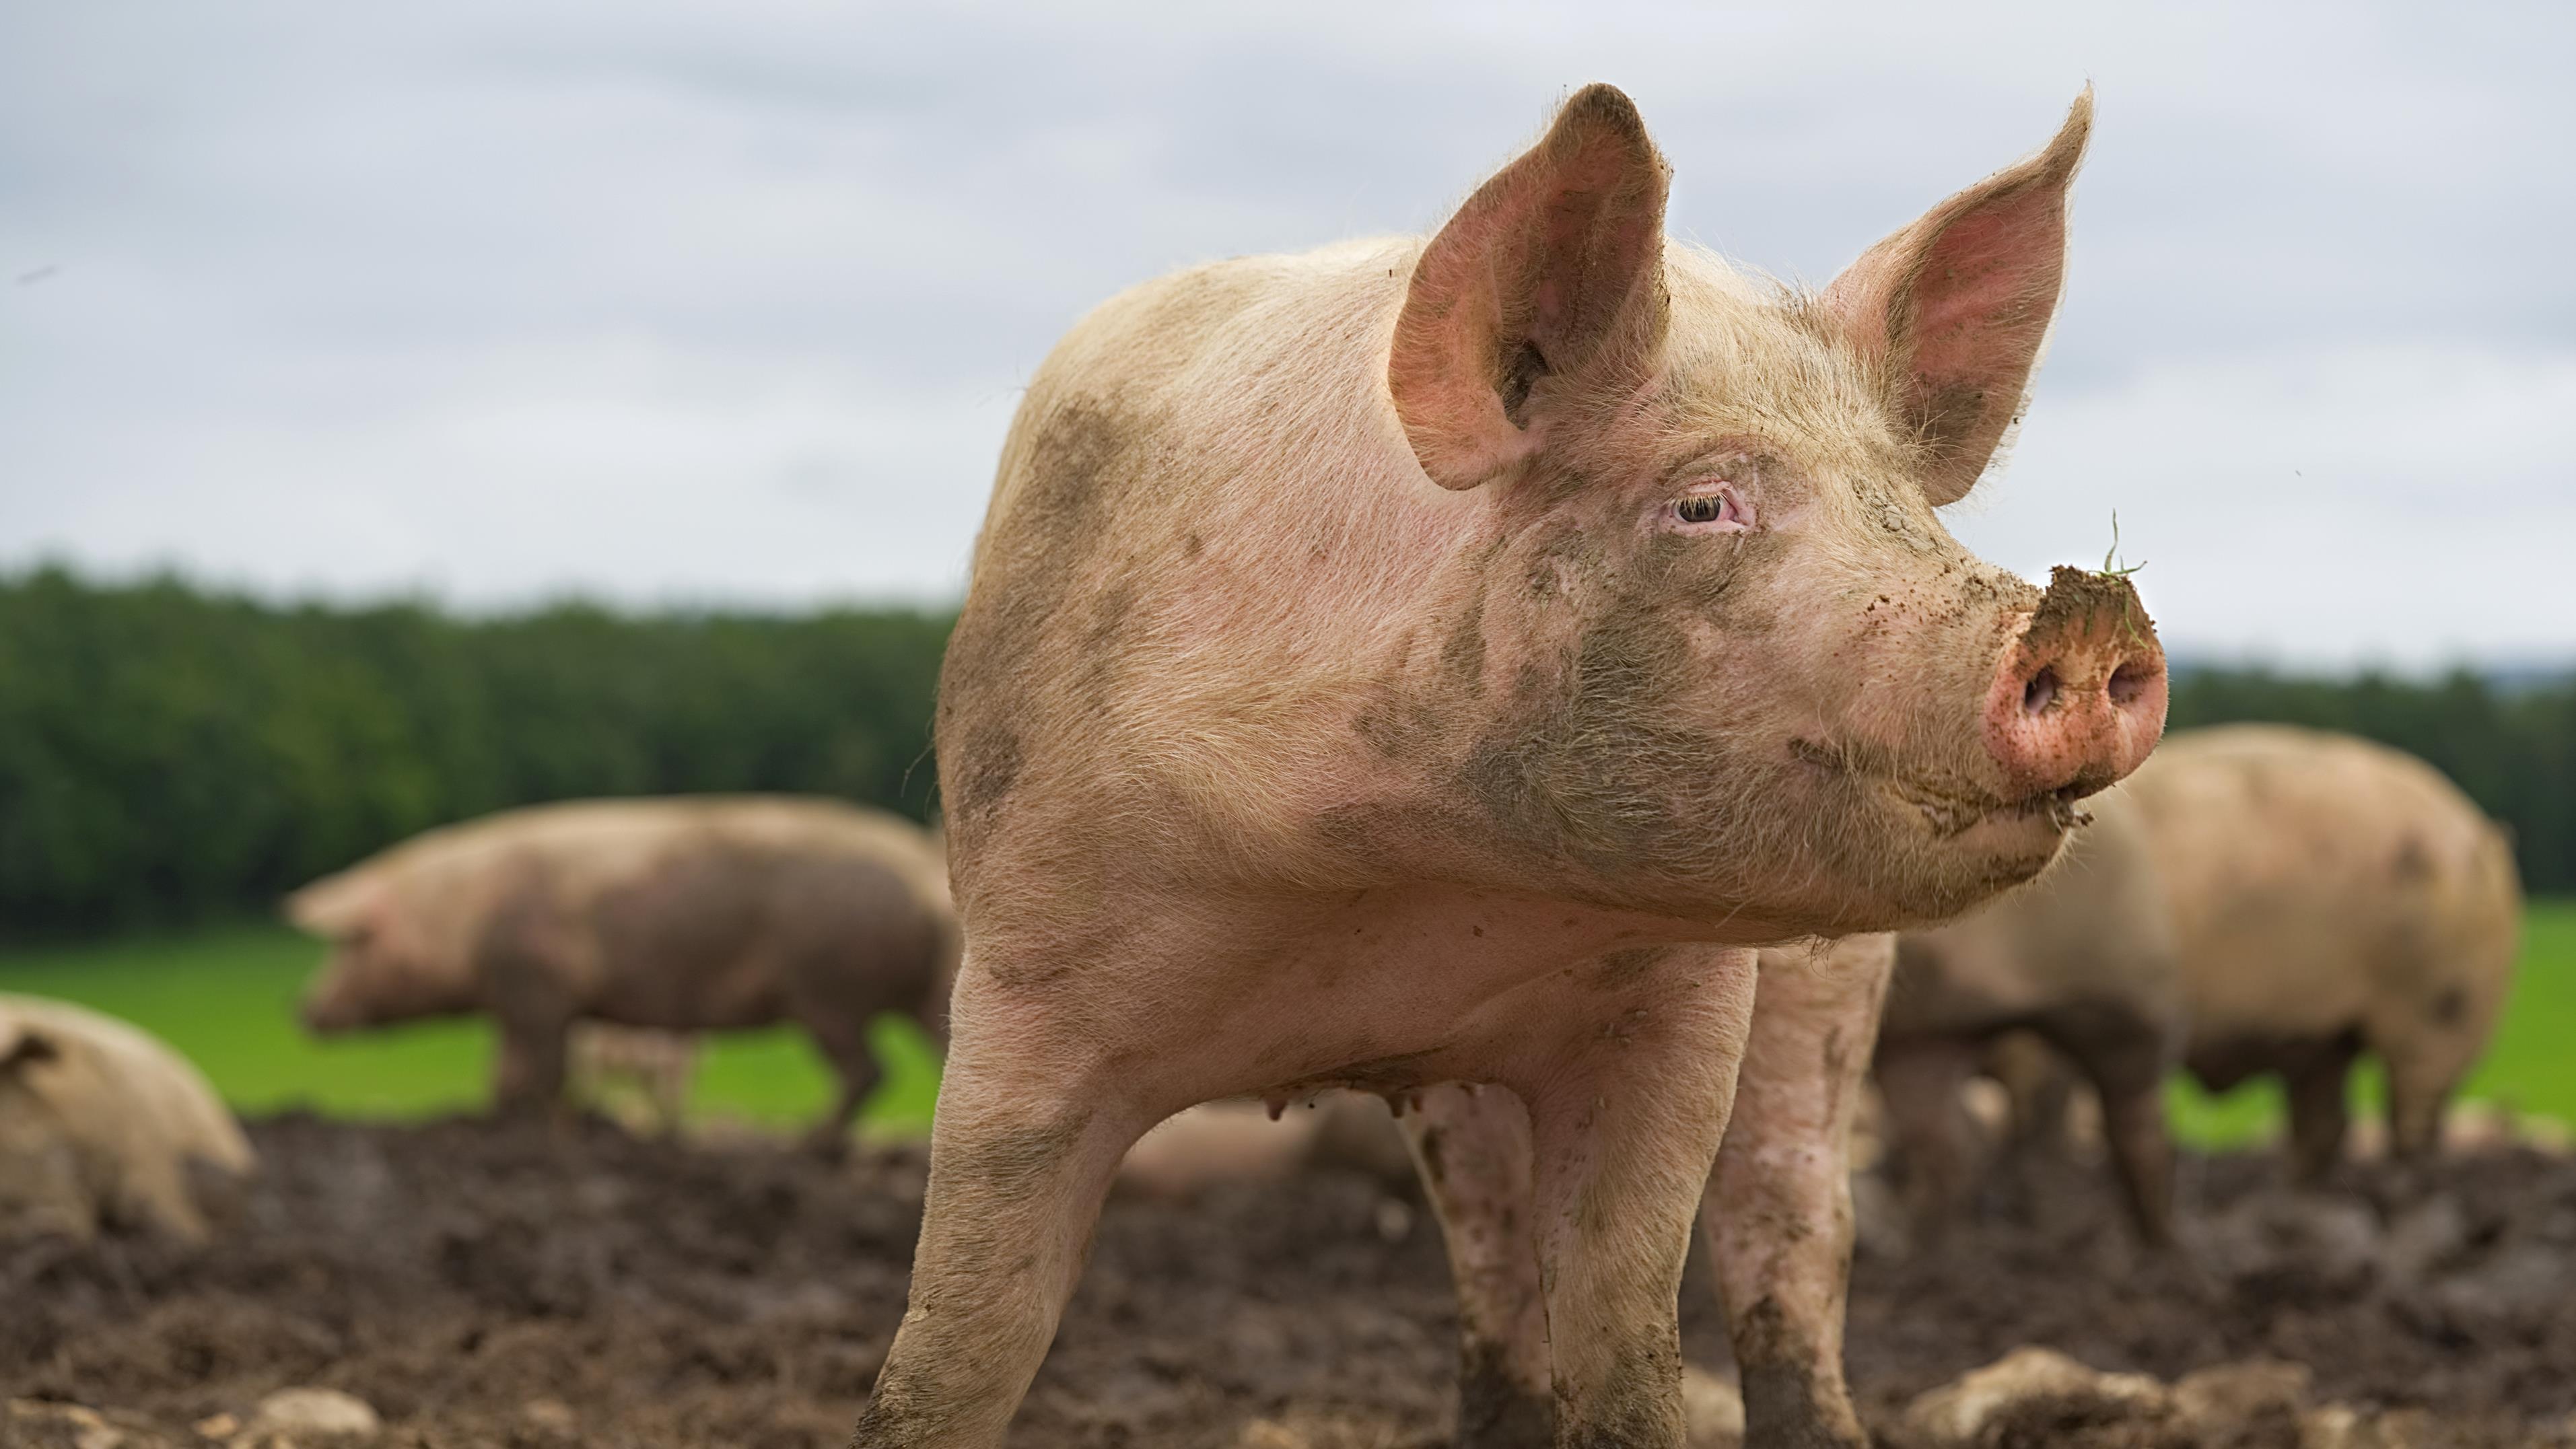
1728,658
379,971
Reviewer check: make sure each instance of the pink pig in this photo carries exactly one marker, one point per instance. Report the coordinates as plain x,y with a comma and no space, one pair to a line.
1439,662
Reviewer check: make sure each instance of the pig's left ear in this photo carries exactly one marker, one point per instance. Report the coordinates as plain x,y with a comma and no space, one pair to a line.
1953,310
1545,289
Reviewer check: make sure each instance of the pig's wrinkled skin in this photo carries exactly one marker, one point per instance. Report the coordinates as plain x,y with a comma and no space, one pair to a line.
2085,959
1413,663
102,1124
698,913
1777,1213
2331,896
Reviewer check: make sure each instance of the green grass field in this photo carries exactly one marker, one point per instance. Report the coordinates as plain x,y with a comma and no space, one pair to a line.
226,999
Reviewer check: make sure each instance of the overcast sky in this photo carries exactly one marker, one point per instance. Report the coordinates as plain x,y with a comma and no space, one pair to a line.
731,303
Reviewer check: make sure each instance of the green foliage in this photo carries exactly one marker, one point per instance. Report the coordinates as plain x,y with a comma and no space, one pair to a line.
2512,750
169,755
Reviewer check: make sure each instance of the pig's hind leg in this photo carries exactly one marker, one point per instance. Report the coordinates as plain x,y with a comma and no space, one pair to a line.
1472,1148
1626,1112
1778,1214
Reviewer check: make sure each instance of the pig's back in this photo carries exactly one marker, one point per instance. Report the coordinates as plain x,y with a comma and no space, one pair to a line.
1206,511
2315,878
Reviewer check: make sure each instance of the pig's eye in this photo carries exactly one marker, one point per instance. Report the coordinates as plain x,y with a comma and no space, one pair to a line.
1718,509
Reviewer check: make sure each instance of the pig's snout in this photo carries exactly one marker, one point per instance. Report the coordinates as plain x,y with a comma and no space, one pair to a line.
2080,697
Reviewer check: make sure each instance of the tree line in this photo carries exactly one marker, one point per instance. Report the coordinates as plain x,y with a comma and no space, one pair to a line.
170,753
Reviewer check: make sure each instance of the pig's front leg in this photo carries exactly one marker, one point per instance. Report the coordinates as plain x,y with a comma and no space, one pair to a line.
1472,1147
1626,1111
1032,1121
1778,1213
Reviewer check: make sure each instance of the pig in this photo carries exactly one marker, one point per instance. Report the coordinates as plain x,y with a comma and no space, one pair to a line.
2331,896
1414,663
104,1125
698,913
2085,959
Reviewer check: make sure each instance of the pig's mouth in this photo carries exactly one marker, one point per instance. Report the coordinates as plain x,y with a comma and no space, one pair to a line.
1949,805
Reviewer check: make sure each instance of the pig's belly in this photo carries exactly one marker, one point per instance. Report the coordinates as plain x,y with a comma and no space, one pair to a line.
731,997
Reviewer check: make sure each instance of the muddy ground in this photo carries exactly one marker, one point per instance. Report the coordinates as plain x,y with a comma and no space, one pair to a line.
551,1286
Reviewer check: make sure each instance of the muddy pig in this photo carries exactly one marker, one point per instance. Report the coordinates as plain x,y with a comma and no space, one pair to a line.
2085,959
2331,896
102,1124
689,914
1424,662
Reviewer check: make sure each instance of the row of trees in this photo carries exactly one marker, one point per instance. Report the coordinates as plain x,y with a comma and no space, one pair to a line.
169,754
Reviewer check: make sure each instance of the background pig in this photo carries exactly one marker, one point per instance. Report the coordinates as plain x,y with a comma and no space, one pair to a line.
1422,662
2084,959
689,914
2331,896
101,1124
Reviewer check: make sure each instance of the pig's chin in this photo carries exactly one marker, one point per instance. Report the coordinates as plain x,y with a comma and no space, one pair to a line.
1938,858
2011,843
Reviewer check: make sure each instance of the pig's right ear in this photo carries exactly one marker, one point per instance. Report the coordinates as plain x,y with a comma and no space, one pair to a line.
1547,286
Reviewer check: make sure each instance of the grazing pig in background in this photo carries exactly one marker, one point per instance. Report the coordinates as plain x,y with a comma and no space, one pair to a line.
2085,959
101,1124
689,914
2331,896
1414,663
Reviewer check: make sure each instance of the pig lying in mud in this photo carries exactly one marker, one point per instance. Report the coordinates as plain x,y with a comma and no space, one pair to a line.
2331,896
101,1124
2084,959
1442,662
687,914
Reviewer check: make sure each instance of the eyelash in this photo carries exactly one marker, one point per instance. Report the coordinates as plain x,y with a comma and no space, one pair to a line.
1715,510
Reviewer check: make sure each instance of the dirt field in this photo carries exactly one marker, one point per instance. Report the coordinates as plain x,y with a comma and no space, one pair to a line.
545,1287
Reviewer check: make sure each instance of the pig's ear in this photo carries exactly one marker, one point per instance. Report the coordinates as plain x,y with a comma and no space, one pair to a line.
1548,285
1953,310
22,1045
336,904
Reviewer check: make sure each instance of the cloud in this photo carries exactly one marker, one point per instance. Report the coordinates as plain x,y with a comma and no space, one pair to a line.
733,302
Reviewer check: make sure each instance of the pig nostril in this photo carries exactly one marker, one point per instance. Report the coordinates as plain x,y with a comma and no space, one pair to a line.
2127,683
2041,692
